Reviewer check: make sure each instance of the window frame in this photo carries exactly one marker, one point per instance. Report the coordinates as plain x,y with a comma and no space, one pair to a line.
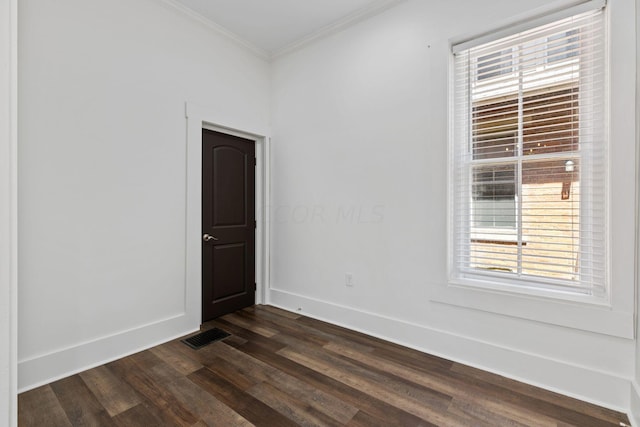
500,281
520,160
617,318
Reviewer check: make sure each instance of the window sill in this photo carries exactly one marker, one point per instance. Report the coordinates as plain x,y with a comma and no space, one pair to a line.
568,311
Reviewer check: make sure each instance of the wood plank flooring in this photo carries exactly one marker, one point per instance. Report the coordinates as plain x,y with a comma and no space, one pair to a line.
281,369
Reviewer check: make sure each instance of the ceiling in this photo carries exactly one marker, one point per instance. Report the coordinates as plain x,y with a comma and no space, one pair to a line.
274,26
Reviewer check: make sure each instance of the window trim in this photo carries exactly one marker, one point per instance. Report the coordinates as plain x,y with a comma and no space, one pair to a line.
519,282
571,313
616,319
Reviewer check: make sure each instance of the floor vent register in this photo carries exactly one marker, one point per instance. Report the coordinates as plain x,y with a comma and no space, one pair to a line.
205,338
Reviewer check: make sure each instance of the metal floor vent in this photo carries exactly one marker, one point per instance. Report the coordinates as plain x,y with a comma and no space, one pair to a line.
204,338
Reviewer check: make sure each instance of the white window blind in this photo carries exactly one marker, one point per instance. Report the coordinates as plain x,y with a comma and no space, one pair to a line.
529,159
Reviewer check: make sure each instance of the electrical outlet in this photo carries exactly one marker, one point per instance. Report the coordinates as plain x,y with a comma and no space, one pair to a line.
348,279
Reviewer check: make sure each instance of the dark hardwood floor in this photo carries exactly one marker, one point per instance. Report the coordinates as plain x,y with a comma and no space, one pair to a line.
281,369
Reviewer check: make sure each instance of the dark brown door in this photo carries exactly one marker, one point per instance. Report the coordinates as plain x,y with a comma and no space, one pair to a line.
228,224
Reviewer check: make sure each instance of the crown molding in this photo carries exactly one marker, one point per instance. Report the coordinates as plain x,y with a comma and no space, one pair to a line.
219,29
349,20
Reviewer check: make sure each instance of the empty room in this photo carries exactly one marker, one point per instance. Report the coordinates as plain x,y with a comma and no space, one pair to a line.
319,213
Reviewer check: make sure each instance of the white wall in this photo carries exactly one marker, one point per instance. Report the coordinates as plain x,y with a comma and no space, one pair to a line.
102,168
635,386
359,185
8,86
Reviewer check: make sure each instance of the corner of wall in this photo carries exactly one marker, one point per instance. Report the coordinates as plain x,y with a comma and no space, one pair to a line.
8,212
634,400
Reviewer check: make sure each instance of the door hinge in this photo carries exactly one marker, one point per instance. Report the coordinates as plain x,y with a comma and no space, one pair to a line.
255,286
255,224
255,161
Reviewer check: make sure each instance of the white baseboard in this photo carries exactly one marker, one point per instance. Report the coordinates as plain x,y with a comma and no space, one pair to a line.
40,370
600,388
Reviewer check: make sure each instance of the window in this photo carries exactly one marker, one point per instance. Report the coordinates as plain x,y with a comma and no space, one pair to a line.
529,159
494,64
562,46
494,193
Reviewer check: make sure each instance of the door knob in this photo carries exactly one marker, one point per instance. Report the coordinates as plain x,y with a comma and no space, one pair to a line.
208,238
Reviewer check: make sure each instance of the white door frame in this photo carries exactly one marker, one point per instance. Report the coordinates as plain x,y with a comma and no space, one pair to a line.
199,118
8,212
